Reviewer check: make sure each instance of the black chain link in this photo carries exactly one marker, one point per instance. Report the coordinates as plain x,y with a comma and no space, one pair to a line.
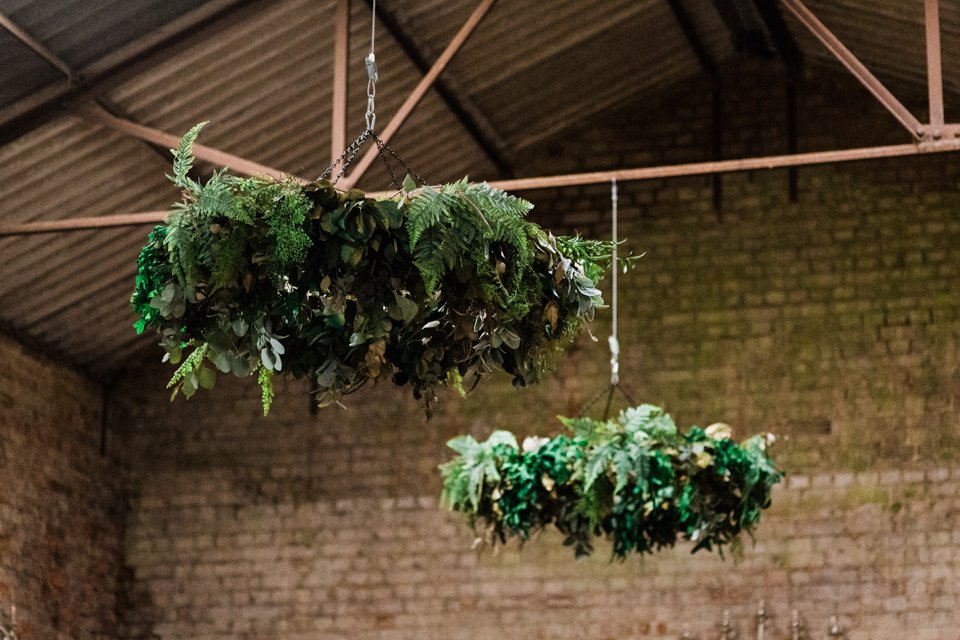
346,157
350,153
608,392
383,146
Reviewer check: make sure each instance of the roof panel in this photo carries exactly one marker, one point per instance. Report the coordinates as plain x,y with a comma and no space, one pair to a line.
22,71
81,32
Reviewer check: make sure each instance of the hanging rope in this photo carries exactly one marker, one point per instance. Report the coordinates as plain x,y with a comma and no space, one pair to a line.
370,117
613,341
372,75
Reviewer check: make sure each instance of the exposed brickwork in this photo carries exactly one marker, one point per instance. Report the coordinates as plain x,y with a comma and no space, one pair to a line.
833,322
60,521
878,550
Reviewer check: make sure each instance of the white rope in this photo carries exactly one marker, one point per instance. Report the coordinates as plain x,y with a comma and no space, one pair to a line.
612,340
373,26
372,75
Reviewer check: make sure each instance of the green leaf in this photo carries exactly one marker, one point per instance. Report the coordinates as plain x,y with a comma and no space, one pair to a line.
597,466
404,309
183,159
240,327
207,378
266,357
464,445
502,438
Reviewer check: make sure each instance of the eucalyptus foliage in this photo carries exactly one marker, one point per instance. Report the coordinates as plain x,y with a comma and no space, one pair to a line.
443,285
635,480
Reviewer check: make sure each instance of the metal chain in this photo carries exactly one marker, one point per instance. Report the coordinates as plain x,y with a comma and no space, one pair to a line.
8,627
346,157
381,146
371,119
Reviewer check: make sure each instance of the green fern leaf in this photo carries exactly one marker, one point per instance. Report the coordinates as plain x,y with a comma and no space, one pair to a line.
183,160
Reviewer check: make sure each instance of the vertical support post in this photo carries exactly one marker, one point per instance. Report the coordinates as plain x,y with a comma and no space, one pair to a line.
716,151
931,10
341,43
793,182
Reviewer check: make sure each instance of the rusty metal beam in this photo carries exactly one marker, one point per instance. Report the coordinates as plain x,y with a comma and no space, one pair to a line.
341,44
854,66
97,114
82,224
38,47
421,89
72,76
567,180
931,11
730,166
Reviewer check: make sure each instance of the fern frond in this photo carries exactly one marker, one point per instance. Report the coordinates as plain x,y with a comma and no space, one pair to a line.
216,198
183,160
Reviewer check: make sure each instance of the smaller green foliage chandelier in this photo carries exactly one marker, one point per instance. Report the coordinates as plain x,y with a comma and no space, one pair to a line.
436,286
635,480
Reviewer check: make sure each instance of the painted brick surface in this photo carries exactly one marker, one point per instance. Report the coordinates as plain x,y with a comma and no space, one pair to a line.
60,517
833,322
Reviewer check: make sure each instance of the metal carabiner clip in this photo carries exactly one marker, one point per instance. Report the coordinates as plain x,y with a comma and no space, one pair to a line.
371,62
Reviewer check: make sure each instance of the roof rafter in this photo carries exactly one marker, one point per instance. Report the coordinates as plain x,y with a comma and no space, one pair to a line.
38,47
709,66
99,115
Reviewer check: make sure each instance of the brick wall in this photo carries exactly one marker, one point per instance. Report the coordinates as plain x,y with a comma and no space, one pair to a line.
833,321
60,521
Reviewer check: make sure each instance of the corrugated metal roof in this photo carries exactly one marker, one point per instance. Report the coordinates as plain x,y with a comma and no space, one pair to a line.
76,32
22,71
531,70
68,292
888,37
81,32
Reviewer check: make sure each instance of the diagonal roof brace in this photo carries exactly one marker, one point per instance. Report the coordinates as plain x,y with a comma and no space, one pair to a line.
99,115
38,47
855,67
